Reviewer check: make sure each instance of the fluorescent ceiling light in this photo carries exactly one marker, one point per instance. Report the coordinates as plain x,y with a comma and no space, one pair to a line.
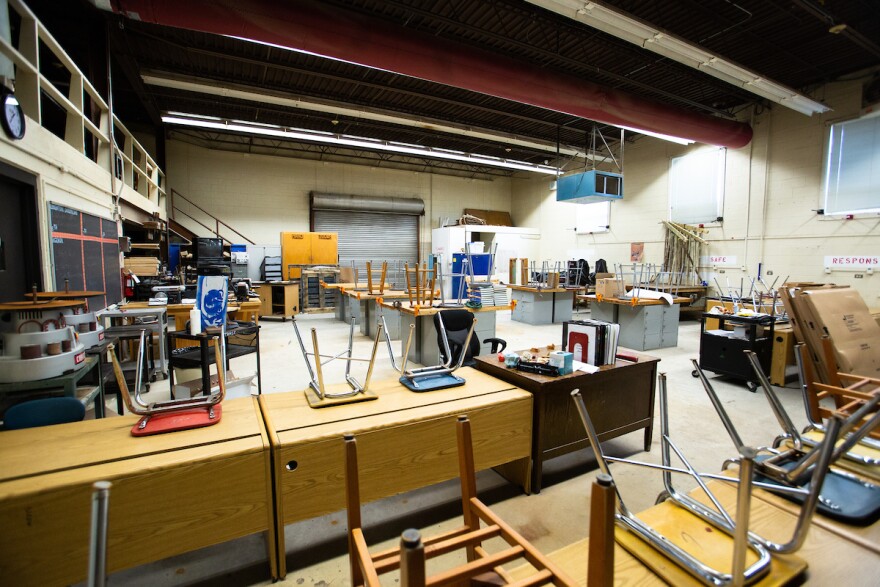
298,134
211,87
657,135
644,35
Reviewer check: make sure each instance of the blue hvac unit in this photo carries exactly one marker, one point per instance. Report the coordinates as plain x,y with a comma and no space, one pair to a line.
589,187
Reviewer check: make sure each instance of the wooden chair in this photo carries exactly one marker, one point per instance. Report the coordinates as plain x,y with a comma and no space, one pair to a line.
482,567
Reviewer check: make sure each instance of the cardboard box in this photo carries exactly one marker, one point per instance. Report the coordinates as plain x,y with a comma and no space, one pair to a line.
609,287
843,316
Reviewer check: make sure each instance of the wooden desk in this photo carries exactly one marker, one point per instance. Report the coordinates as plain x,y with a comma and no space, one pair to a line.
405,440
172,493
644,324
541,306
620,399
424,349
831,559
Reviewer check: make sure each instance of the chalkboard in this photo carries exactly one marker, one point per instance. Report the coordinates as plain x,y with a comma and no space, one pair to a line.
85,252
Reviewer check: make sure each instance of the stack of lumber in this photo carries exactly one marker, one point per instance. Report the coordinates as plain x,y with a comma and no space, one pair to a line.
142,265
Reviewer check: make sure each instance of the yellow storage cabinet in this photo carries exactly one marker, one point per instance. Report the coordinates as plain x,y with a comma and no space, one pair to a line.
307,248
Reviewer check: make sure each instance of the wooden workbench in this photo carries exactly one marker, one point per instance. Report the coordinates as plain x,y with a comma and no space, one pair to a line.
544,305
364,308
405,440
620,398
172,493
644,323
424,349
248,311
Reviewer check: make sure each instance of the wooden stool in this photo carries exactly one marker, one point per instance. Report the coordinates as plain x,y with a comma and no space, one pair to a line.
482,568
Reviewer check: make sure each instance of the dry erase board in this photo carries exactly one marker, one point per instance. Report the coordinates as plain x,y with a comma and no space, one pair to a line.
85,251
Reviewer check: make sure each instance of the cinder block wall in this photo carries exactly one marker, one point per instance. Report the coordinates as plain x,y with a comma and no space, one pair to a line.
772,188
261,195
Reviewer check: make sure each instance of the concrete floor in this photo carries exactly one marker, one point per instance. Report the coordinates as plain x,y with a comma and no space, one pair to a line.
316,549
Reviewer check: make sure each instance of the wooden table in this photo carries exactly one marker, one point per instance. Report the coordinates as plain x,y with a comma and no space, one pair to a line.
83,295
541,305
135,310
620,399
831,558
696,295
644,323
424,348
405,440
339,290
172,493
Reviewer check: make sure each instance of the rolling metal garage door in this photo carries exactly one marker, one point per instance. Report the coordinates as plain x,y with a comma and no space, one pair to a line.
371,229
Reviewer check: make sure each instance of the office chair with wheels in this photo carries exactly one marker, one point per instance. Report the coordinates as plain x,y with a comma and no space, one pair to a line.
458,323
43,412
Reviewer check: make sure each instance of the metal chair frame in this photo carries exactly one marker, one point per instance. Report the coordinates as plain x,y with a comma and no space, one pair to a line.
818,426
446,368
138,406
316,383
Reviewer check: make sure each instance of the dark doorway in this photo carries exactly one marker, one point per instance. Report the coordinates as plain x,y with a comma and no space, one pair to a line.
19,240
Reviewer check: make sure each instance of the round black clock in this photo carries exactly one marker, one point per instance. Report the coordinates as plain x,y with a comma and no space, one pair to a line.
13,118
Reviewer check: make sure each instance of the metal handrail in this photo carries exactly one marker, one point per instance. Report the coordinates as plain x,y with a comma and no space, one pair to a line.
217,221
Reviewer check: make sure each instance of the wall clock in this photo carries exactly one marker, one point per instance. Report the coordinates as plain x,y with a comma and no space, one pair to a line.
12,117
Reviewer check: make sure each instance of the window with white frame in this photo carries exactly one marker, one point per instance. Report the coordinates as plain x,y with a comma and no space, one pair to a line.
696,187
593,217
852,166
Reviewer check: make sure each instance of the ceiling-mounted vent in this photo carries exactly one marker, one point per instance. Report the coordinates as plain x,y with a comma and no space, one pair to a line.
589,187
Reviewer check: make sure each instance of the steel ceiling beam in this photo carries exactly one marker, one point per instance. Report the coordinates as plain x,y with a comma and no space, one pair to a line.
328,31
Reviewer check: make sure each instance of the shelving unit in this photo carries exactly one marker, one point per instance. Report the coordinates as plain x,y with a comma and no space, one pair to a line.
314,298
279,299
270,269
201,357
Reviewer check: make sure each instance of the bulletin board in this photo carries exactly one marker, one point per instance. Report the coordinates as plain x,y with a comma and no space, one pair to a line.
85,251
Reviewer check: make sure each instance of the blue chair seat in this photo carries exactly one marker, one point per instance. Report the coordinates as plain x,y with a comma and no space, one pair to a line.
43,412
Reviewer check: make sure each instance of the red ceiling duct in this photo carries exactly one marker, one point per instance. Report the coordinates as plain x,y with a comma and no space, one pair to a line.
332,32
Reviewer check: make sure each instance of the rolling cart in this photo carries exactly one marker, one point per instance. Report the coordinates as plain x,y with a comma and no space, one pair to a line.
722,349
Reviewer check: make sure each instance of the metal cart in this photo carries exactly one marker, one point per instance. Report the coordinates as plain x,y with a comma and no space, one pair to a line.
722,349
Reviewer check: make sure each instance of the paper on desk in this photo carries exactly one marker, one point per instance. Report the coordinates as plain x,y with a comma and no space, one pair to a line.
585,367
649,294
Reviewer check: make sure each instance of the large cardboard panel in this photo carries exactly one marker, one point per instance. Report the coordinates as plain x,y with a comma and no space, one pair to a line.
843,315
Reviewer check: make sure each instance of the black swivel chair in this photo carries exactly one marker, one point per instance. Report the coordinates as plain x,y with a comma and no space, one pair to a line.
457,324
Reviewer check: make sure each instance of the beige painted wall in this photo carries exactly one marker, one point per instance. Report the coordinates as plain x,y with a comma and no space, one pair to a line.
261,196
63,176
772,187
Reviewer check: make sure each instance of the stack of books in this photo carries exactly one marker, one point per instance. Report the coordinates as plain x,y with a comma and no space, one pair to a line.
591,341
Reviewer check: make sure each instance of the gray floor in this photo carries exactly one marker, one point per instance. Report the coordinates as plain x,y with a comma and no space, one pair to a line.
316,549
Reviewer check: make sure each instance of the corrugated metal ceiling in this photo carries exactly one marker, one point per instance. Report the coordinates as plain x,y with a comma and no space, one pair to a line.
785,40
